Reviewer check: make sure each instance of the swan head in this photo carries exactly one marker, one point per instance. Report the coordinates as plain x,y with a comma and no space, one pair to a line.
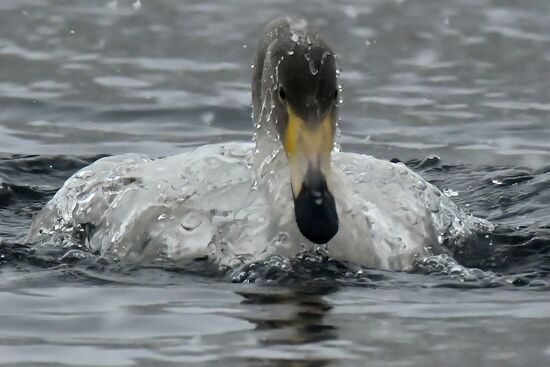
295,93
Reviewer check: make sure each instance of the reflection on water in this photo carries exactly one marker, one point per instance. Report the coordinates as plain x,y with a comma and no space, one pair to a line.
303,320
289,317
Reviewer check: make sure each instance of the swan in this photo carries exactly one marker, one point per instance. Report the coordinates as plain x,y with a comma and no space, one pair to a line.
287,192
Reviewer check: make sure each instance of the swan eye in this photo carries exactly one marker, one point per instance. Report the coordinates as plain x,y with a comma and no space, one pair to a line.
282,94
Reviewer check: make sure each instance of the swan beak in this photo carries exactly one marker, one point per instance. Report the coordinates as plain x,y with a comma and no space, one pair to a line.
308,146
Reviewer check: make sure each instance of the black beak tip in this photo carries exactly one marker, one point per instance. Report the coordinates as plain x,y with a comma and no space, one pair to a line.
316,216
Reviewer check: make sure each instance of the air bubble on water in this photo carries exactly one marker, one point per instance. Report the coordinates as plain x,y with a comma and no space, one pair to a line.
496,182
290,52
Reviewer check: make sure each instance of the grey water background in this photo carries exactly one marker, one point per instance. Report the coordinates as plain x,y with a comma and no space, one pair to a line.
467,81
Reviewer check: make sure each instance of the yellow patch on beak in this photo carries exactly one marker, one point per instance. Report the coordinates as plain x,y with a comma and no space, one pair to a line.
307,146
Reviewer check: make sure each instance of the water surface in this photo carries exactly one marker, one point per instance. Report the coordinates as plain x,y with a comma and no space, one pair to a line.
466,81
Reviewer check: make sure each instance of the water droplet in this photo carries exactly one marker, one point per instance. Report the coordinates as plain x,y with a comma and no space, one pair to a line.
324,57
450,193
208,117
312,68
337,135
136,4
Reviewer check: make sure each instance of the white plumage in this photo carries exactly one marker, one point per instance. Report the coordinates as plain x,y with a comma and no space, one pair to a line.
209,202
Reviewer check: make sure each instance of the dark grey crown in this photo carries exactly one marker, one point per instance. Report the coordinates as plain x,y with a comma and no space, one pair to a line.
294,58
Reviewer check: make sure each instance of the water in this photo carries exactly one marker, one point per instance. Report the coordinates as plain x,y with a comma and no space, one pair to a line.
466,81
